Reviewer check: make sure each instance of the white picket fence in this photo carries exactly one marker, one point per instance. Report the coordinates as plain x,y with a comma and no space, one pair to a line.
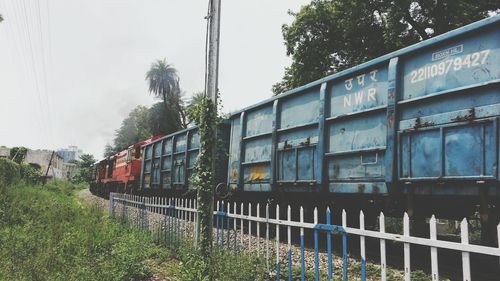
180,216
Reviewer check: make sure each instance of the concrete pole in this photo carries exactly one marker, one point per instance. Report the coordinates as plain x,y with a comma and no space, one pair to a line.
213,51
206,190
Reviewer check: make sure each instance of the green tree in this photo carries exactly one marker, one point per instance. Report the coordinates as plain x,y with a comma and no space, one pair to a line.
18,154
133,129
84,168
164,83
160,118
1,18
191,109
109,150
328,36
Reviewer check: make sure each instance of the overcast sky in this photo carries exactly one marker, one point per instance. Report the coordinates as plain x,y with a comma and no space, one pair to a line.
70,71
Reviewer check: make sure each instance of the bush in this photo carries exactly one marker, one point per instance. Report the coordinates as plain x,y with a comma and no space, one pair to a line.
46,234
9,172
222,266
29,173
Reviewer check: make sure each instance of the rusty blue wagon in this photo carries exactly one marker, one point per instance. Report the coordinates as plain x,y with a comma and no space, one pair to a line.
409,129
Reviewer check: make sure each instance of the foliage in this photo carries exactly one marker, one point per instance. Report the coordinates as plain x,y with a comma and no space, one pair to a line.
133,129
164,83
328,36
205,116
84,169
30,173
143,123
160,119
223,266
1,18
46,234
9,172
18,154
109,150
191,108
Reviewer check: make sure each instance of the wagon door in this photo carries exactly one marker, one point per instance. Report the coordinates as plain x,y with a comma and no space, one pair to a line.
357,132
297,140
449,107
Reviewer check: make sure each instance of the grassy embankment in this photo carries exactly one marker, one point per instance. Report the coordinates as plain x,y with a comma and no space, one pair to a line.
49,233
46,233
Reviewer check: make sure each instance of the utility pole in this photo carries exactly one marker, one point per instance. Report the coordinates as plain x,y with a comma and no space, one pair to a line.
213,50
208,132
48,167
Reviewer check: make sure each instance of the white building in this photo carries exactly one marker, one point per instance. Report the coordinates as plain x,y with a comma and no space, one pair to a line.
70,153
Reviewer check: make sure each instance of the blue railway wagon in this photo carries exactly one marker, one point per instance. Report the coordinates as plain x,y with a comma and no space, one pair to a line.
168,162
422,120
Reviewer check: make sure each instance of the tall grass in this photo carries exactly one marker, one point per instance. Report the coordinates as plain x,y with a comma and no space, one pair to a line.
47,234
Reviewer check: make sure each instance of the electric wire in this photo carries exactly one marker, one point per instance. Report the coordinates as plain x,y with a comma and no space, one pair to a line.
21,50
26,23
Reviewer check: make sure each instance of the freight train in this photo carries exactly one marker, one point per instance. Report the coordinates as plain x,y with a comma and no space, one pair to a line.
416,130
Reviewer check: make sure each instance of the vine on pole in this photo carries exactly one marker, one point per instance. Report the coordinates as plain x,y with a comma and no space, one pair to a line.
206,117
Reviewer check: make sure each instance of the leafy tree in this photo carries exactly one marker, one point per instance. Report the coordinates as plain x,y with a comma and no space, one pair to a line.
328,36
160,119
1,18
191,109
18,154
109,150
30,173
164,83
85,169
133,129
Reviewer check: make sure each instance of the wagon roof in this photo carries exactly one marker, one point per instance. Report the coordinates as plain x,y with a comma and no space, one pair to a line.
401,52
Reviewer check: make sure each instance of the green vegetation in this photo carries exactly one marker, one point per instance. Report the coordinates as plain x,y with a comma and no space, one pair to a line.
17,154
85,171
47,234
203,176
9,172
328,36
162,118
164,84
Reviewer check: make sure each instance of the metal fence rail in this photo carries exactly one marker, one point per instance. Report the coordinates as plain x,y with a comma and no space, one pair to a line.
233,232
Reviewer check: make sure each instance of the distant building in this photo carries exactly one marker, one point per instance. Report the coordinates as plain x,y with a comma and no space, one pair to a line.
4,152
59,169
71,153
41,157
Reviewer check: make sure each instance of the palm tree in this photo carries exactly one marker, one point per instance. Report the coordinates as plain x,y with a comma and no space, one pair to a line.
164,83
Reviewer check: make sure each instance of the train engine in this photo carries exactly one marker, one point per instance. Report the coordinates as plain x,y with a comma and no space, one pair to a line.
120,172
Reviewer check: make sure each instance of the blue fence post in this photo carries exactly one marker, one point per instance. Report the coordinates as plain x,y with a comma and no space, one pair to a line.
289,232
362,246
170,222
228,223
344,245
344,255
177,221
278,277
217,226
222,226
235,227
302,254
316,255
329,244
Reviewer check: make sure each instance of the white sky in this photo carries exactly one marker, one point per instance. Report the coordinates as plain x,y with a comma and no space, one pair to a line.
70,71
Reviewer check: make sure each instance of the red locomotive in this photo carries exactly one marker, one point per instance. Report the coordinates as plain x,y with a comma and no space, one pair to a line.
120,172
